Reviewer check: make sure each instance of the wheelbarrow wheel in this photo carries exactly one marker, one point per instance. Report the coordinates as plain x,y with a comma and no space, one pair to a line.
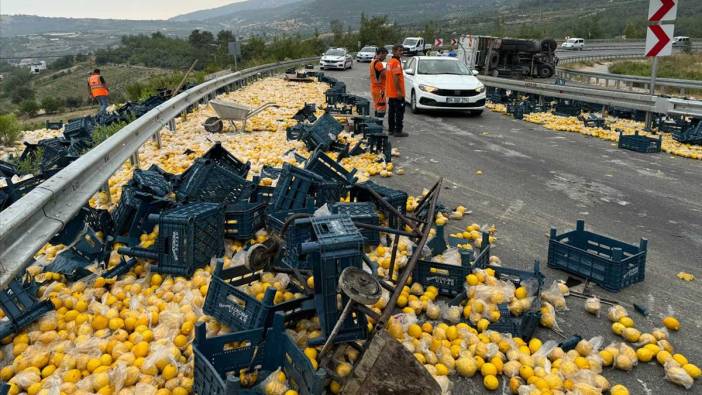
214,125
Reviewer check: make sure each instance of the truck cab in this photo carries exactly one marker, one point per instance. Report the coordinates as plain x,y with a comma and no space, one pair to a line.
415,46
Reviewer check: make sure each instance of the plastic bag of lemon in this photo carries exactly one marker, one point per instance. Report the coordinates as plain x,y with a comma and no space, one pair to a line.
572,124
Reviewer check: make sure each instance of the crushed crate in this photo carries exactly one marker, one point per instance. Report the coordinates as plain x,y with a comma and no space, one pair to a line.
363,212
321,164
80,128
450,279
207,181
322,133
396,198
262,193
380,144
275,220
54,125
188,237
568,108
130,217
306,113
235,308
591,120
123,267
625,113
270,172
639,143
295,132
217,367
152,180
73,261
243,219
223,158
609,263
336,244
21,307
13,192
295,186
691,134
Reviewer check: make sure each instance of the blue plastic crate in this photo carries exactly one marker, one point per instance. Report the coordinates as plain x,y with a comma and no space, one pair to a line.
217,368
244,219
611,264
189,236
21,306
262,193
396,198
294,187
322,133
276,219
329,169
523,326
130,217
237,309
206,181
363,212
336,244
219,155
640,143
450,279
380,144
80,128
151,181
299,231
691,134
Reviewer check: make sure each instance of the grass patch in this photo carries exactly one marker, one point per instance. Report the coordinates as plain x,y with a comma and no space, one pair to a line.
681,66
30,164
102,133
10,130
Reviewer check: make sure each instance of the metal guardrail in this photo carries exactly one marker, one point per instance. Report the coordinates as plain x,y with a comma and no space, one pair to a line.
33,220
611,98
683,86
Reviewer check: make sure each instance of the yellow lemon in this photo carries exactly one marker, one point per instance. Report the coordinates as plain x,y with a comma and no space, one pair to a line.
490,382
671,323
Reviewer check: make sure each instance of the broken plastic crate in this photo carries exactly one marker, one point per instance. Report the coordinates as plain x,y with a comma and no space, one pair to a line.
275,220
336,245
450,279
396,198
207,181
217,367
130,218
639,143
243,220
321,164
609,263
153,180
363,212
21,306
524,325
80,128
219,155
189,236
234,307
295,186
322,133
691,134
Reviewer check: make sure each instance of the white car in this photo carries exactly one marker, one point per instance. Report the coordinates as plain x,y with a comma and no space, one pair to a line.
336,58
366,54
681,41
442,83
574,44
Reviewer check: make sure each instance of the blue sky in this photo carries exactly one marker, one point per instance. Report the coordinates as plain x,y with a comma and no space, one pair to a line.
118,9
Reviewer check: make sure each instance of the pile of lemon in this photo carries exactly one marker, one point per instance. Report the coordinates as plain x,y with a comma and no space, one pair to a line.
629,127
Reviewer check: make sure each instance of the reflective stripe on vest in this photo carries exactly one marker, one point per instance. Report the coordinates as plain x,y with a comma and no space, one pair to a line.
97,88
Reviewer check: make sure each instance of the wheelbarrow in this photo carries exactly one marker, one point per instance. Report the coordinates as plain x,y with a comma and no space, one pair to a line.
227,111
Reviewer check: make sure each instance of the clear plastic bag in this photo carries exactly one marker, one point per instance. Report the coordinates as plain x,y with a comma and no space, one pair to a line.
675,374
554,296
548,316
450,313
616,312
593,305
275,383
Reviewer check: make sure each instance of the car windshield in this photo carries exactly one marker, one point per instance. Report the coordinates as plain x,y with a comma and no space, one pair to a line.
442,66
410,41
368,49
335,52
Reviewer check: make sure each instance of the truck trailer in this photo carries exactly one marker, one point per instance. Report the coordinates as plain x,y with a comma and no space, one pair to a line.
508,57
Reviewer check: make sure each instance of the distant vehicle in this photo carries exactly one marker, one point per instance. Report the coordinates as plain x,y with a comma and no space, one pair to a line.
442,83
681,41
389,48
366,54
415,46
508,57
336,58
574,44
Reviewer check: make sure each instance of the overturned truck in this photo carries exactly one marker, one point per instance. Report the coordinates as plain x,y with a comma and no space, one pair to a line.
509,57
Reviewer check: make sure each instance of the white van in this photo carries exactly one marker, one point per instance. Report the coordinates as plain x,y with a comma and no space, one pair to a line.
574,44
681,41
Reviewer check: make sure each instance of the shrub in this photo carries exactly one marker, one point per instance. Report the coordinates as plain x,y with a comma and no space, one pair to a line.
51,104
10,130
29,107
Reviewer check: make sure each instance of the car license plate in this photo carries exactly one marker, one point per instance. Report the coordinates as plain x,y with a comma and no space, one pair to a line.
457,100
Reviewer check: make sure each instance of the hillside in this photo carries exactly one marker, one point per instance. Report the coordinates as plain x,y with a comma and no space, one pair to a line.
232,9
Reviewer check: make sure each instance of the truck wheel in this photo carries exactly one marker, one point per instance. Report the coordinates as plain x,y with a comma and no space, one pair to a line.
545,71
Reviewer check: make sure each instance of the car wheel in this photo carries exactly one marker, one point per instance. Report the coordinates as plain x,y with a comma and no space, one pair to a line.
413,104
475,113
351,64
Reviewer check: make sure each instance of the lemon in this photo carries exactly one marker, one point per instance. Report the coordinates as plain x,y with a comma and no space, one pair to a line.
99,322
334,387
415,331
472,279
680,359
644,354
692,370
180,341
156,280
627,321
534,345
671,323
488,369
617,328
663,356
619,390
441,369
72,376
343,369
490,382
520,293
526,372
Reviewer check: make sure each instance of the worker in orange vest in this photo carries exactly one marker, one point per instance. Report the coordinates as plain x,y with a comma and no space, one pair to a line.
395,92
377,81
98,89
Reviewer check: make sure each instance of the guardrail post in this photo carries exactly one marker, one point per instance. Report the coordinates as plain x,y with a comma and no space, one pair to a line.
106,189
134,159
171,126
157,138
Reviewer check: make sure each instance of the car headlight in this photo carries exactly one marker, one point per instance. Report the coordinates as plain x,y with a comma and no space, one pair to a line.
428,88
480,89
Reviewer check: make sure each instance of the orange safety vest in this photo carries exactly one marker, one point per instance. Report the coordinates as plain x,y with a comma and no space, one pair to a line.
377,77
97,88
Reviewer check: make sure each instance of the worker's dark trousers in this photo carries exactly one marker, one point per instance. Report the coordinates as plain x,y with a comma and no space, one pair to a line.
396,114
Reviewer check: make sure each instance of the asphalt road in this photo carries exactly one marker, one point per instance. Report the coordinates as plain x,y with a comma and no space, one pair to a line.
533,178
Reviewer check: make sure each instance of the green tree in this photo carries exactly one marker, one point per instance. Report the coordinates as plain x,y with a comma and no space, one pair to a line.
63,62
633,30
29,107
376,31
200,39
9,130
51,104
18,85
337,29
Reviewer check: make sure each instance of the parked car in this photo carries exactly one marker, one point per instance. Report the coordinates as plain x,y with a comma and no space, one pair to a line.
366,54
574,44
415,46
442,83
336,58
681,41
